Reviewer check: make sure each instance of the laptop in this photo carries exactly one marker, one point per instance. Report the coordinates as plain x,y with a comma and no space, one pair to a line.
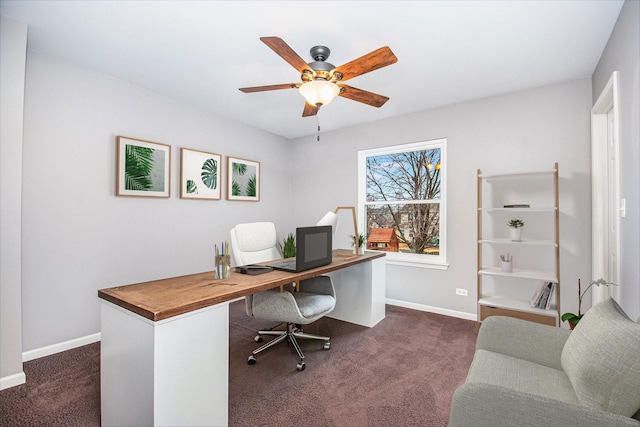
313,249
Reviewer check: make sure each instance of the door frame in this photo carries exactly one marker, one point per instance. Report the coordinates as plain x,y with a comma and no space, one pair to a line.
605,179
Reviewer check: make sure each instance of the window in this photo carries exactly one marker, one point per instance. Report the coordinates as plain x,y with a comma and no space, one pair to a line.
401,198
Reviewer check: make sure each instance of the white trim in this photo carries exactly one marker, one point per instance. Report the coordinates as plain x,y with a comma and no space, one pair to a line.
59,347
607,102
415,260
12,380
417,264
431,309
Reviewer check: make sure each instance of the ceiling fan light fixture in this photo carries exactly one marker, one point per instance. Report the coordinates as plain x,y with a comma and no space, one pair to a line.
319,92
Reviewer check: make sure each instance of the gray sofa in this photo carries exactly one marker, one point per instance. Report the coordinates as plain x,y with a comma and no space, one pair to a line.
527,374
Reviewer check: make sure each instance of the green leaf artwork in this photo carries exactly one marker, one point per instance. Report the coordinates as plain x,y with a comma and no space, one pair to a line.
192,188
138,166
235,188
239,168
244,180
209,174
251,187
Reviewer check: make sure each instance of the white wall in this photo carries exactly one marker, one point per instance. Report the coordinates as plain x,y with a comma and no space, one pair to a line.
528,130
622,54
13,39
77,236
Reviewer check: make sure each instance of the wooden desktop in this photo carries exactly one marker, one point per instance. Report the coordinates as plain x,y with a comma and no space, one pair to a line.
164,351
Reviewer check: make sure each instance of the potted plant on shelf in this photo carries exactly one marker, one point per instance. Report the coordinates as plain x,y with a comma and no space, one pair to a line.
515,229
358,243
288,246
573,319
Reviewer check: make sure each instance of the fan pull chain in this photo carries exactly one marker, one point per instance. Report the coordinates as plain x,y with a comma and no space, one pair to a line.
318,117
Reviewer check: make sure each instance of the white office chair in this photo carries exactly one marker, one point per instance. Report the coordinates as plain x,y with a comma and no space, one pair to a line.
256,242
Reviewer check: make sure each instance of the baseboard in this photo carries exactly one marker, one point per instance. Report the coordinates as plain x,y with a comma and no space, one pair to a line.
12,380
57,348
431,309
89,339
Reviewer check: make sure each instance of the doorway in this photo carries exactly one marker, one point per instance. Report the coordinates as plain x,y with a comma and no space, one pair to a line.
605,187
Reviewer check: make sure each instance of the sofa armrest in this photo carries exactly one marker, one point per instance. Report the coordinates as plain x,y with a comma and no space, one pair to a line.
477,404
525,340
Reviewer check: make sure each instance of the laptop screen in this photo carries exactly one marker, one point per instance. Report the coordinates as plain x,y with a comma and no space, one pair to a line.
314,245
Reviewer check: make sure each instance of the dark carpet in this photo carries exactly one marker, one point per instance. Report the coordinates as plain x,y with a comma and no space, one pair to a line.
403,372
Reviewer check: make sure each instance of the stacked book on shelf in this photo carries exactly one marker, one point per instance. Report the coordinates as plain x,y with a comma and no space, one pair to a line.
543,296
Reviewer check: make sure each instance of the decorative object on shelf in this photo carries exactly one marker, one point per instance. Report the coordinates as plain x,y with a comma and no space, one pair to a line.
543,296
243,179
200,175
144,168
506,263
288,246
515,229
573,319
223,261
358,245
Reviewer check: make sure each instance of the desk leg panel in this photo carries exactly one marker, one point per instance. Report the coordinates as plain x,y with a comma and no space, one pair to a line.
360,293
192,369
126,368
168,373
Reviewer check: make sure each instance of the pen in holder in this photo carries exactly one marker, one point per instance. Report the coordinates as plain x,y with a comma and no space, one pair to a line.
223,262
223,267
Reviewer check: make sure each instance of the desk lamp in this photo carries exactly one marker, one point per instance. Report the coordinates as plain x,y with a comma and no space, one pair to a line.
331,218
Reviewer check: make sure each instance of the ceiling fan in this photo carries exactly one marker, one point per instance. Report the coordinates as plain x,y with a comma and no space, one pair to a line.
320,79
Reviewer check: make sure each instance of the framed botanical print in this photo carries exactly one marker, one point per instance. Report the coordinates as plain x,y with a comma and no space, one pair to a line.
200,175
144,168
243,179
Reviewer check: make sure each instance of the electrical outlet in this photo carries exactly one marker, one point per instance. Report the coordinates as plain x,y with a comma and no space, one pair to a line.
462,292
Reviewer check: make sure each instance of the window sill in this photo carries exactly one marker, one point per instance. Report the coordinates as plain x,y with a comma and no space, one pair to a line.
429,265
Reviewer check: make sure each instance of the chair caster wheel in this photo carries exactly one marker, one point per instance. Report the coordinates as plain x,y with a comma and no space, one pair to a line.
251,360
327,345
257,338
300,366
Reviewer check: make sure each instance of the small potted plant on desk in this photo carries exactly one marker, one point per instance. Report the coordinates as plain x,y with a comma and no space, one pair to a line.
288,246
573,319
515,229
358,243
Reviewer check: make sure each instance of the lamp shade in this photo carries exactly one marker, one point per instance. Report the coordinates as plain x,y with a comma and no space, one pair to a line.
331,219
319,92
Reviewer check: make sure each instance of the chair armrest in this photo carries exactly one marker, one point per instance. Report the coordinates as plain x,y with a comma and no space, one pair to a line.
525,340
477,404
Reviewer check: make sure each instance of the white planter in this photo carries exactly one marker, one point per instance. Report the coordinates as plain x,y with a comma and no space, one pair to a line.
515,234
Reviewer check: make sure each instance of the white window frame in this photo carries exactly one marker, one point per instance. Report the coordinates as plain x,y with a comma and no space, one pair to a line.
412,260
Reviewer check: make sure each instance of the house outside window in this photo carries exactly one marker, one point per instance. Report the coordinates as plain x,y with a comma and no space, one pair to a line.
401,195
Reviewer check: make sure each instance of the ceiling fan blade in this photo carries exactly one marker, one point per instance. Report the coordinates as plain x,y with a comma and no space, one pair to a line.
372,61
284,50
270,87
363,96
309,110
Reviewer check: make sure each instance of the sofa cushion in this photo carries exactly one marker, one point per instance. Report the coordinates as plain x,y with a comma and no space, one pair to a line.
602,359
516,374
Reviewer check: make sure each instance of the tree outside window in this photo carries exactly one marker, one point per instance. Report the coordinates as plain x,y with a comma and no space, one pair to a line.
403,189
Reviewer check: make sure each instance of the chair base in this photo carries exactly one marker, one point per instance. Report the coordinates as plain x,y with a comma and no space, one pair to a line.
290,334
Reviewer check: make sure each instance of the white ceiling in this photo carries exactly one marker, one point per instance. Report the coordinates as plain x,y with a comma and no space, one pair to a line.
201,52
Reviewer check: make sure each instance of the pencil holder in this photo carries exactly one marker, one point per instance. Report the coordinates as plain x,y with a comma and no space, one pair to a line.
223,267
507,266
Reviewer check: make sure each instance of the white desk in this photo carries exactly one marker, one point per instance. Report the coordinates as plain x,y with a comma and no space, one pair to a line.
165,344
